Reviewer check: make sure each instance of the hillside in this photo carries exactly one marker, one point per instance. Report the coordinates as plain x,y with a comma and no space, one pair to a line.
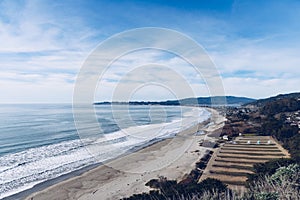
277,116
253,161
278,98
199,101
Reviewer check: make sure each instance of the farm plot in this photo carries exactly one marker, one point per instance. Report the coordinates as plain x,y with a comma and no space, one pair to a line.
232,162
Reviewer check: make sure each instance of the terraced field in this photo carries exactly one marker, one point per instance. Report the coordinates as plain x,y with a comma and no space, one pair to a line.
233,161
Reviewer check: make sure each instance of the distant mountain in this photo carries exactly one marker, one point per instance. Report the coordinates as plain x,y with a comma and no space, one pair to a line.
200,101
216,100
277,99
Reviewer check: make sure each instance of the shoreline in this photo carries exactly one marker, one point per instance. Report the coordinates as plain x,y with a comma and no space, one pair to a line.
120,178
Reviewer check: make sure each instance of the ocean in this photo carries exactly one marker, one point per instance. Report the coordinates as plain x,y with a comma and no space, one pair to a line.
40,142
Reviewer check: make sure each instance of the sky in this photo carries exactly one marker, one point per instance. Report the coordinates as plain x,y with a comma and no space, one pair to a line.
254,45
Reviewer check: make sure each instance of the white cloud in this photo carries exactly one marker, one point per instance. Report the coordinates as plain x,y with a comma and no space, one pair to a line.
257,88
269,69
262,60
154,67
30,28
41,53
35,88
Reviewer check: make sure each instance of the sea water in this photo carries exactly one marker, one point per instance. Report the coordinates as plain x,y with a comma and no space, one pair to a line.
39,142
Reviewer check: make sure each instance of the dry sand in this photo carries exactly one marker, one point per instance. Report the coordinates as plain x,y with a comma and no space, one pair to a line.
127,175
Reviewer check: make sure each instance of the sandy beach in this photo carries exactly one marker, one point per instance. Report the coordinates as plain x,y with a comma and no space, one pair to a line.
127,175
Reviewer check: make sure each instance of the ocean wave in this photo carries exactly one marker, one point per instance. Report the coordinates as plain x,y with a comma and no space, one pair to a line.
22,170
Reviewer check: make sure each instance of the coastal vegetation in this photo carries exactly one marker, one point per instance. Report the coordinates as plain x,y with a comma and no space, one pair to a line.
279,183
170,189
276,117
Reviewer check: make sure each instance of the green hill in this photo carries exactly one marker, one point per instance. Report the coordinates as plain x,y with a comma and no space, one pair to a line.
199,101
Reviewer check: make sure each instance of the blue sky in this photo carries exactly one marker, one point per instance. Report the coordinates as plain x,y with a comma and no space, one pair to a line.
255,45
